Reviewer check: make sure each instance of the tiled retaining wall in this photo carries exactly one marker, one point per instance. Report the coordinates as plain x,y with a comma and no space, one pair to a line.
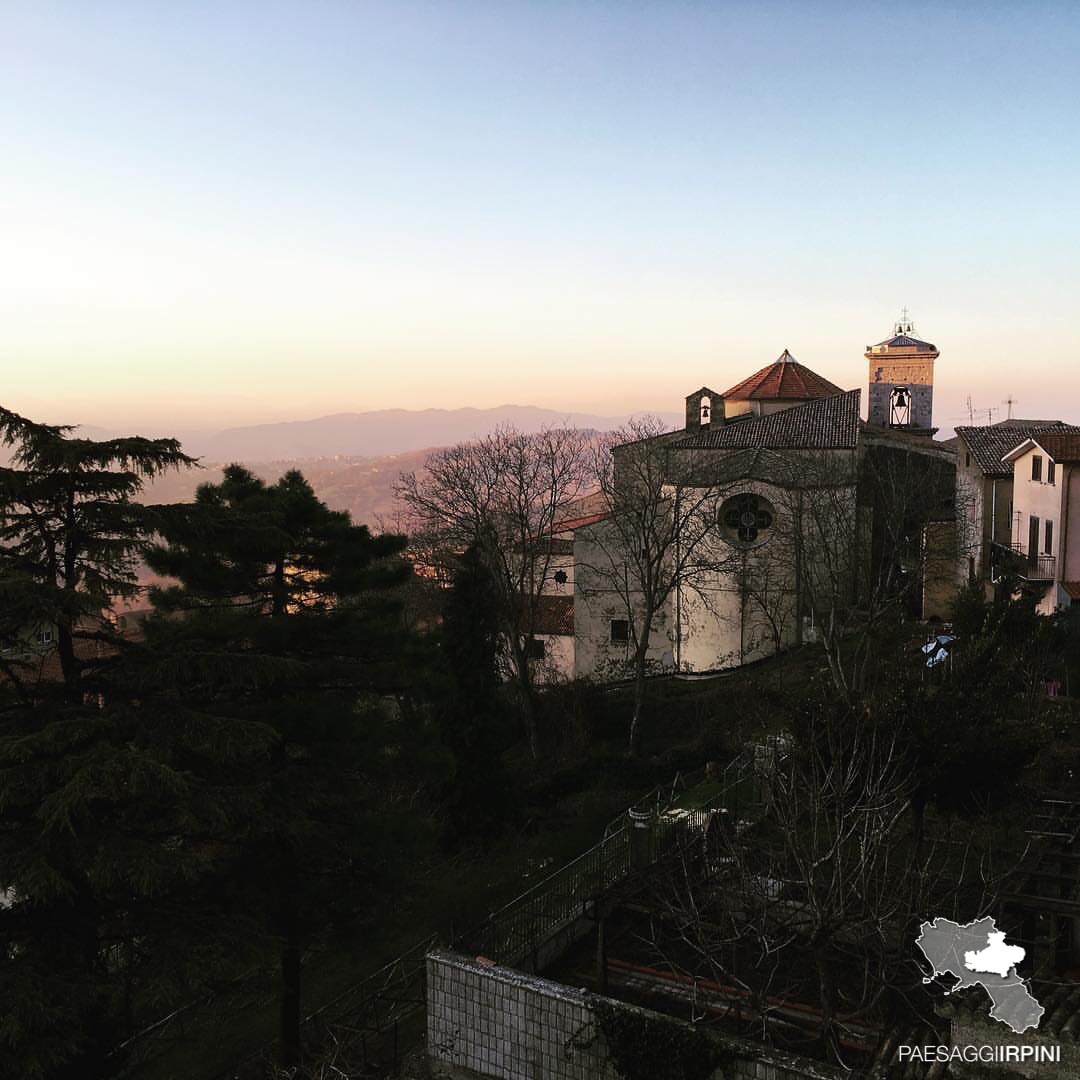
489,1021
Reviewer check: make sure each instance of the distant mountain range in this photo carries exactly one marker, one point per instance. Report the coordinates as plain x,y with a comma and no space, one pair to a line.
375,434
353,460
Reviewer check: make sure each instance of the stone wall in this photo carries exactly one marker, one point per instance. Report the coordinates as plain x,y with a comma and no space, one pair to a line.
487,1021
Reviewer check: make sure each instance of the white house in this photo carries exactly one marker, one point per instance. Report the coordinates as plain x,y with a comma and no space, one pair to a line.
1045,522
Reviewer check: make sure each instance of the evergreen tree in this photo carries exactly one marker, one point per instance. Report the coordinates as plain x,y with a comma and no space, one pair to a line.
475,726
92,798
284,627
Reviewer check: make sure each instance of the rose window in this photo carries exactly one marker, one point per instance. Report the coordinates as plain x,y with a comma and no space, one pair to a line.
746,518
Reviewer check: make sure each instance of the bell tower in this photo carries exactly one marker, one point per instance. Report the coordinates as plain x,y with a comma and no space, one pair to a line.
902,380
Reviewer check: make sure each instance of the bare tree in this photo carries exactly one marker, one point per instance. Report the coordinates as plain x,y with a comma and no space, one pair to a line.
504,494
810,912
653,540
854,530
767,590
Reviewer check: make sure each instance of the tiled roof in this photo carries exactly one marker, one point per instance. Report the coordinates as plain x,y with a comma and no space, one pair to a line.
906,339
988,444
828,423
1061,446
1072,588
554,615
578,523
785,379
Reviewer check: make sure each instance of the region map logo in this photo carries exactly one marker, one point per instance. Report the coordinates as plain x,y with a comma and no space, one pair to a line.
976,953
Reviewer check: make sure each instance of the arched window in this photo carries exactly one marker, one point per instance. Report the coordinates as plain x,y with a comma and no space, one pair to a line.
746,518
706,409
900,407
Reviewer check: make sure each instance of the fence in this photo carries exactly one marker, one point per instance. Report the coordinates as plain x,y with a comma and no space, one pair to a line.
366,1022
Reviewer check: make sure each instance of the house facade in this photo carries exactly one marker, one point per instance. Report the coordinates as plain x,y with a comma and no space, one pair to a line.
984,494
1045,519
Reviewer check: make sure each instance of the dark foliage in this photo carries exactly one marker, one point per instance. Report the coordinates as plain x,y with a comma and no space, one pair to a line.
645,1046
477,727
283,637
94,796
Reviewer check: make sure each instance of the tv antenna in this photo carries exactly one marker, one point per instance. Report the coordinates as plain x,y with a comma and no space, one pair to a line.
1010,401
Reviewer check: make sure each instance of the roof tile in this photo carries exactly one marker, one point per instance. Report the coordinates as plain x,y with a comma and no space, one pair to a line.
828,423
1061,446
786,379
989,443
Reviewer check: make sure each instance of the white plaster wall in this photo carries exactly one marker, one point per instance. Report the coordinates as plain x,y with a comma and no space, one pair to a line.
558,663
733,407
710,626
550,586
721,622
1035,497
761,406
596,603
1044,500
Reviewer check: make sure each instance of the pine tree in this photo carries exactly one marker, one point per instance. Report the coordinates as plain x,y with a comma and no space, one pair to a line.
284,628
92,798
475,726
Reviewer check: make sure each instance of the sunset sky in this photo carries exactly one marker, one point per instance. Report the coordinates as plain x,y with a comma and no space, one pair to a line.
219,213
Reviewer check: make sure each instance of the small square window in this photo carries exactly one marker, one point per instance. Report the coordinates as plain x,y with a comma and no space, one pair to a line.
535,649
1036,467
560,577
45,637
620,631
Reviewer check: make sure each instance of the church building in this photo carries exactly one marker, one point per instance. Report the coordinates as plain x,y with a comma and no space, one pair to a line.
795,532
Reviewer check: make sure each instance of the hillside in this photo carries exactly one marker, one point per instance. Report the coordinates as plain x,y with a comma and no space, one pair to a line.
380,432
353,460
363,486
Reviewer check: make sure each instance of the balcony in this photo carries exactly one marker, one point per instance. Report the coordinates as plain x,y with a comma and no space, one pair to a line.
1012,559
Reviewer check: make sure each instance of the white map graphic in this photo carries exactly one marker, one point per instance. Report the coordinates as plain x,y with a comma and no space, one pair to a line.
997,957
987,962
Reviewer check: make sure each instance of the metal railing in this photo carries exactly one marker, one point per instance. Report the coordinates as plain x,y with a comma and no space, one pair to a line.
1013,559
1040,568
365,1021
